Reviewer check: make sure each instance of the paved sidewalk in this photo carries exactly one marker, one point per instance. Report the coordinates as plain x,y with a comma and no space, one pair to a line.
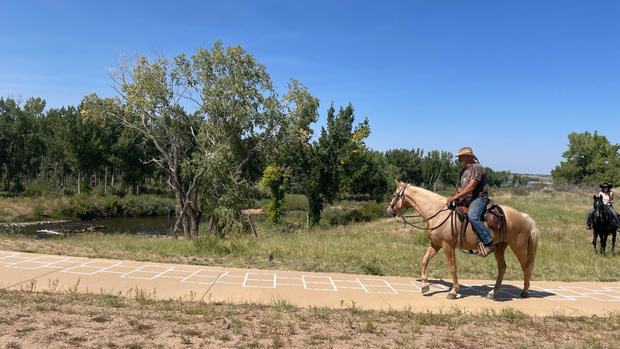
38,272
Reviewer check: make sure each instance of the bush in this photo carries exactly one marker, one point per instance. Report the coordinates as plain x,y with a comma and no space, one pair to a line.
38,211
38,188
369,211
95,206
372,210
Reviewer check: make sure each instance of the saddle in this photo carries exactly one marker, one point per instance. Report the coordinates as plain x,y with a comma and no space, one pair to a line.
493,215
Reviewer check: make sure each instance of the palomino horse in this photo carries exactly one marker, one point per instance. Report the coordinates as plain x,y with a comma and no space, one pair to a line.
521,234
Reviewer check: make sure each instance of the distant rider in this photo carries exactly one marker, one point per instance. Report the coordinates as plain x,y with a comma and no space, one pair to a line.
473,191
608,200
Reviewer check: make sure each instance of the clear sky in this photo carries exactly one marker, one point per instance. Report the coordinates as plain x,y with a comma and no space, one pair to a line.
511,79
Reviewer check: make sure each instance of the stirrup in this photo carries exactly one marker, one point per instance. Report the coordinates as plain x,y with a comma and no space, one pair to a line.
482,250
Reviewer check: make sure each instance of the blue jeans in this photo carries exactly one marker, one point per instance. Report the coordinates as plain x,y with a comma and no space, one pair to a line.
475,214
613,213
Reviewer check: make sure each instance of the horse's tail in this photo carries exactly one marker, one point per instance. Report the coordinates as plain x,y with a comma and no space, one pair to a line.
532,243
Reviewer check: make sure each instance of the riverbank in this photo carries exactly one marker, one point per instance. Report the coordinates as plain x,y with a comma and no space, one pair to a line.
28,209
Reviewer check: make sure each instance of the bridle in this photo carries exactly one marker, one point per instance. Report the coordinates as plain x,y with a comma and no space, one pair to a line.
400,196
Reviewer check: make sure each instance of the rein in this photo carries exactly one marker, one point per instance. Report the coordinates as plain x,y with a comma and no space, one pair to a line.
446,207
405,222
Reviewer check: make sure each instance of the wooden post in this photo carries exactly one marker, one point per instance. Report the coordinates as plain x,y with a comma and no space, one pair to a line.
252,225
249,212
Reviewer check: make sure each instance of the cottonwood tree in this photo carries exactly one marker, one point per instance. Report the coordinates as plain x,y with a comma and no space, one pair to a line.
322,168
19,140
590,159
234,113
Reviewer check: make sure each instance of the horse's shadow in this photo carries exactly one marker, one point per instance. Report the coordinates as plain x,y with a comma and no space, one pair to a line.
506,293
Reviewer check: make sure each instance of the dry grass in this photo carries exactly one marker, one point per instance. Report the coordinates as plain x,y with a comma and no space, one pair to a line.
32,319
24,208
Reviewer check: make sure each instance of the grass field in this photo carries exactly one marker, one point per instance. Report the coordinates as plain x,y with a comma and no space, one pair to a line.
381,247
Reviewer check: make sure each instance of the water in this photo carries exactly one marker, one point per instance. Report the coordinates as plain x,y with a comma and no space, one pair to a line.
117,225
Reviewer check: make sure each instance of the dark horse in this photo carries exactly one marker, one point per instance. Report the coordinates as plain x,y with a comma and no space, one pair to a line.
603,224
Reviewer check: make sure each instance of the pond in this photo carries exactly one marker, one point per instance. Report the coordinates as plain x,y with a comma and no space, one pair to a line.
122,225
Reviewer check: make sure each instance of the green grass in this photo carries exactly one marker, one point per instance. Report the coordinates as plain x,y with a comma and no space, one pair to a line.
380,247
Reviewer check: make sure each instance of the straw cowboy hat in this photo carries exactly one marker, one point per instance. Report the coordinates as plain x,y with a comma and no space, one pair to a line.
466,151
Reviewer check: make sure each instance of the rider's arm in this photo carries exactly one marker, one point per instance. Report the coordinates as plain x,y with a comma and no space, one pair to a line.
466,191
611,197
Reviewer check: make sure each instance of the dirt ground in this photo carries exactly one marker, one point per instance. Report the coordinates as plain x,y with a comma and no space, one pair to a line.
71,319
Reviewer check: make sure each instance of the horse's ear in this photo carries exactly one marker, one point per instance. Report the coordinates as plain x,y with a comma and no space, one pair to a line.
397,183
594,197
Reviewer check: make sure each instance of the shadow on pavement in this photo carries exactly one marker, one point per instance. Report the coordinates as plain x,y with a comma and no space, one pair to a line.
506,293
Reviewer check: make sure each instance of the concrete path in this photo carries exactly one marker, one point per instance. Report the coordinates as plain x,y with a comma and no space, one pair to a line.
38,272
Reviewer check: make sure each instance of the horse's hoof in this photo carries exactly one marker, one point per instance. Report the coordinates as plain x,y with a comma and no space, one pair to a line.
451,296
491,295
425,289
525,294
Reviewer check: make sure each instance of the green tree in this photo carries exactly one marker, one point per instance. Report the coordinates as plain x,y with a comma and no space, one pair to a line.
295,149
590,159
437,169
333,163
203,153
19,142
368,174
276,179
407,163
497,178
55,135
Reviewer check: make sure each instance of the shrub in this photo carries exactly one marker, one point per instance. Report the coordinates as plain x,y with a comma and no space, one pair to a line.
368,212
372,210
95,206
38,188
276,179
38,211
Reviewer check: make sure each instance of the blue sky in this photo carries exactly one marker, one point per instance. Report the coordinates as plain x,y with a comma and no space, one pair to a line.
511,79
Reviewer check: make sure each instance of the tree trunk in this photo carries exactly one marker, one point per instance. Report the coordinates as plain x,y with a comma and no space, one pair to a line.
194,224
105,182
7,176
213,225
178,208
79,179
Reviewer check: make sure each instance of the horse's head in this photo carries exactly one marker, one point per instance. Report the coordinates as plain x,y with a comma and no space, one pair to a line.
398,200
597,204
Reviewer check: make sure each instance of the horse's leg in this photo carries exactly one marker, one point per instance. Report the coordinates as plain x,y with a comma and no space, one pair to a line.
449,250
594,240
603,239
501,270
525,265
432,251
613,241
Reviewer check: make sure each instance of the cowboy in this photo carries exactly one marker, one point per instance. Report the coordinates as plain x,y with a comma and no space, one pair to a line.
608,200
473,192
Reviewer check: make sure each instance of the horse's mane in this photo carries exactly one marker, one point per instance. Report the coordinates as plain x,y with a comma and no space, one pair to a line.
428,193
